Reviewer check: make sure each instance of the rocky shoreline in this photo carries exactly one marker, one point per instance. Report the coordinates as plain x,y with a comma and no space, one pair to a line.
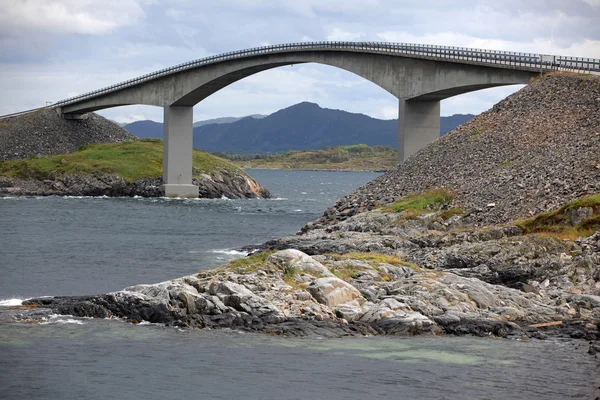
360,280
215,185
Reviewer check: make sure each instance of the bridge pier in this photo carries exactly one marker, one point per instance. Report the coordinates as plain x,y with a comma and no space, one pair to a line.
418,125
177,152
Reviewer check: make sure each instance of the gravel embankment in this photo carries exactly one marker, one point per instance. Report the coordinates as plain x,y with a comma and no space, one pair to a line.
45,132
532,152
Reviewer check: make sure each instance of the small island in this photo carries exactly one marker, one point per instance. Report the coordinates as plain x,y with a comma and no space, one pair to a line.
42,157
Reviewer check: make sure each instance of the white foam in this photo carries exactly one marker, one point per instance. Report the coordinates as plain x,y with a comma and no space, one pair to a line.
223,197
11,302
55,320
298,210
230,252
278,199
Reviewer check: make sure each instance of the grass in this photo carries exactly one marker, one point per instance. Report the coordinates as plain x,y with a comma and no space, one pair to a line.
557,222
131,160
451,212
350,271
418,203
353,157
373,259
252,263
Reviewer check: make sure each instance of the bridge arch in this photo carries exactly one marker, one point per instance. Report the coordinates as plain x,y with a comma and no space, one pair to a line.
420,80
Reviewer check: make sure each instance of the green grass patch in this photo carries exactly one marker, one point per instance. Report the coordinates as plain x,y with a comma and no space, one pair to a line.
418,203
131,160
558,222
345,272
476,131
252,263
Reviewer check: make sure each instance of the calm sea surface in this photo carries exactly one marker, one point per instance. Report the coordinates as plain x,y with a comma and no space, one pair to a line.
75,246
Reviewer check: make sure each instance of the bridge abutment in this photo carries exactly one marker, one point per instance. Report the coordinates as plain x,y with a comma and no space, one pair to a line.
177,153
418,125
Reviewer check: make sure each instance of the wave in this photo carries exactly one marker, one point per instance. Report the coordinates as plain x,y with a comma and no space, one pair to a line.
11,302
230,252
56,319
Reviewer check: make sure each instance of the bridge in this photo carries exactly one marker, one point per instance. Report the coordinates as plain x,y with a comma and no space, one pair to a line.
420,76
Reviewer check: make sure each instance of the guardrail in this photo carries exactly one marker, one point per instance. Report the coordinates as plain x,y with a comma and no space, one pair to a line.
23,112
444,53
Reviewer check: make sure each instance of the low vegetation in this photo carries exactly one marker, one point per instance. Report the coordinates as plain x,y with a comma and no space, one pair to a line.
131,160
252,263
416,204
351,270
561,223
358,157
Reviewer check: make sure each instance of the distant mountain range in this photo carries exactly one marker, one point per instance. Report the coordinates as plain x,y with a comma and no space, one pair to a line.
304,126
226,120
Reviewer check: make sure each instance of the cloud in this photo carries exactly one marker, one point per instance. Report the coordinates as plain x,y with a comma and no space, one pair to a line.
69,16
50,48
342,35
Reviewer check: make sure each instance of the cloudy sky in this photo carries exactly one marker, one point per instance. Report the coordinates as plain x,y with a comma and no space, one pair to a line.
53,49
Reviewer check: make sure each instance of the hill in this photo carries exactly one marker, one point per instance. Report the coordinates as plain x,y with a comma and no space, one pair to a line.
304,126
44,132
530,153
358,157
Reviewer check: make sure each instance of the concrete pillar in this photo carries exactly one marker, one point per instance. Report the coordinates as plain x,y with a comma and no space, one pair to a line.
418,125
177,153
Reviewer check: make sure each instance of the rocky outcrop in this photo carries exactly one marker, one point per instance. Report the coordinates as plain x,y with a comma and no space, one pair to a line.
286,294
44,132
215,185
532,152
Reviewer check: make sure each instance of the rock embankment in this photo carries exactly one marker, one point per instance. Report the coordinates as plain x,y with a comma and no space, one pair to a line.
45,132
532,152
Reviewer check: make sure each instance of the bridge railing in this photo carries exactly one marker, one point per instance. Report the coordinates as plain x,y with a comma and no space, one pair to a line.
443,53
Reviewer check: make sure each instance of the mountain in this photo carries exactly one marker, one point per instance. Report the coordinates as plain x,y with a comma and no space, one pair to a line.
145,129
304,126
226,120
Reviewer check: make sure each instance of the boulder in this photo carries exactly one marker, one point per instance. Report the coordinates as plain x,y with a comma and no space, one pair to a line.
332,291
292,259
395,317
350,311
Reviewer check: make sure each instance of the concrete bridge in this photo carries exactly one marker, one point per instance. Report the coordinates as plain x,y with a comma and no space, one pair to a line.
418,75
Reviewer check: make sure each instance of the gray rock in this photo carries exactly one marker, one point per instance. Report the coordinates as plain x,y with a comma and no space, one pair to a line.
291,259
332,291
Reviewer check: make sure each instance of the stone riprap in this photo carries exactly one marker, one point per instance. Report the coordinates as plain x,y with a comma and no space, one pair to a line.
45,132
531,152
